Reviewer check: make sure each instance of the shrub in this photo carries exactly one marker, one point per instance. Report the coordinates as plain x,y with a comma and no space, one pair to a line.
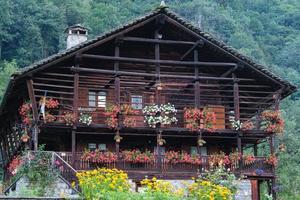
206,190
96,183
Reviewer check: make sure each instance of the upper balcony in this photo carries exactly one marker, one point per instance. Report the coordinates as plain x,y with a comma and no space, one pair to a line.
229,99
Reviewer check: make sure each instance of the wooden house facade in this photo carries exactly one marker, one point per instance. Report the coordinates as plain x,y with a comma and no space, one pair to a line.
90,102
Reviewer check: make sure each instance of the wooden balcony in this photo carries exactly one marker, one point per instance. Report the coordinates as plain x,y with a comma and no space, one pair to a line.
161,169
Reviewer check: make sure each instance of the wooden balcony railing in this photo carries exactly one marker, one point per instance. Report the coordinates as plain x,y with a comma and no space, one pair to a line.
255,167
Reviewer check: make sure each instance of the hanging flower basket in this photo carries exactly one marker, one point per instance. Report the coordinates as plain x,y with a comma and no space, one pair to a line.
164,114
118,138
25,138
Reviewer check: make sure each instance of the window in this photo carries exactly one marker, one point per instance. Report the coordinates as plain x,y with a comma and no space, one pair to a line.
92,99
91,146
137,102
101,100
102,147
202,151
97,98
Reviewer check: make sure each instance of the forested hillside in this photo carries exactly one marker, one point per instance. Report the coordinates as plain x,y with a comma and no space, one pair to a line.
266,30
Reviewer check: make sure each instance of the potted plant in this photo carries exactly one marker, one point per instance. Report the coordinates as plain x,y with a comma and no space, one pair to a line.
201,142
85,118
25,112
196,119
69,118
112,112
249,159
161,141
272,160
272,121
49,117
156,116
51,103
25,138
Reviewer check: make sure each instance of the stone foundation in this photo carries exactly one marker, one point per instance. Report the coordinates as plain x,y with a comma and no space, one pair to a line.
59,189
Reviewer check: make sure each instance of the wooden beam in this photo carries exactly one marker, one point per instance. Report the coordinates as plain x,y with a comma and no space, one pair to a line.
35,113
230,71
236,98
153,61
198,43
157,41
126,73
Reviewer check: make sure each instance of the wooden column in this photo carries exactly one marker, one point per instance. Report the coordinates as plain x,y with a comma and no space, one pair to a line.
117,94
35,130
157,95
255,149
197,82
75,105
236,101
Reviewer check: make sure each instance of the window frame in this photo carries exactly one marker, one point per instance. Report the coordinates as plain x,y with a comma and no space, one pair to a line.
139,105
96,100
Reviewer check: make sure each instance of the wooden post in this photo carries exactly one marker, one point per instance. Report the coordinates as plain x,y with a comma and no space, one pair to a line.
255,150
237,114
117,96
35,130
197,83
75,106
157,95
258,120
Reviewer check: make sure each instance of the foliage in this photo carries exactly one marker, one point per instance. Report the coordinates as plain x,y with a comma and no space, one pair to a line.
37,168
96,183
161,188
220,176
6,68
206,190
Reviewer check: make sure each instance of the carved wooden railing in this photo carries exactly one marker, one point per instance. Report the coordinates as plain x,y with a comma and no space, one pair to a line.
247,167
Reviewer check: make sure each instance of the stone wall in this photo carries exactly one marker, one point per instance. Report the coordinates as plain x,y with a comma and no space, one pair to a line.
59,189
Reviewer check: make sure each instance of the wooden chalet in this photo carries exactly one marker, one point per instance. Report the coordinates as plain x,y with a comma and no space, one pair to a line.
158,59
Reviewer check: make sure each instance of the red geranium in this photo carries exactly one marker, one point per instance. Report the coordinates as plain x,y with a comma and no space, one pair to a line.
99,157
14,165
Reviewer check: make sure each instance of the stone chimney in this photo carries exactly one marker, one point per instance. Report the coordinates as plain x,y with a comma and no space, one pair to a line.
76,35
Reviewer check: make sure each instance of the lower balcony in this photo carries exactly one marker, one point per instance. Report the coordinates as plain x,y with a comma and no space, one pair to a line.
161,167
